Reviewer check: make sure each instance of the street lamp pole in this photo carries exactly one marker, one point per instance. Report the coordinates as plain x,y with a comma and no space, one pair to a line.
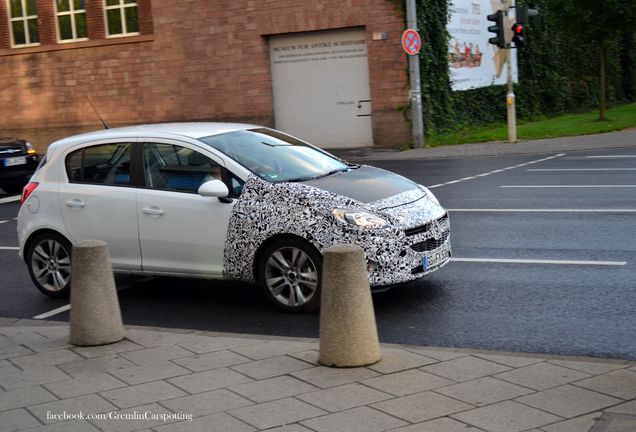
414,78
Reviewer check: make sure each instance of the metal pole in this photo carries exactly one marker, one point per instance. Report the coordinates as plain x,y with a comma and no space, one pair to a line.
510,96
414,78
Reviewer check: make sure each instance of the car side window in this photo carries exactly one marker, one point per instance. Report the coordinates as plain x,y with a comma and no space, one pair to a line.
107,164
175,168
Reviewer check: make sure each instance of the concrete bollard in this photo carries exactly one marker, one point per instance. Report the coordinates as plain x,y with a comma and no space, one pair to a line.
348,332
95,314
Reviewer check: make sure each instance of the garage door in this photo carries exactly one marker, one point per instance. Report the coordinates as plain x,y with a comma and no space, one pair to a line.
321,87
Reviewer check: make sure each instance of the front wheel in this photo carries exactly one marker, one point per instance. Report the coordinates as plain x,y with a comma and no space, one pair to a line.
289,273
49,261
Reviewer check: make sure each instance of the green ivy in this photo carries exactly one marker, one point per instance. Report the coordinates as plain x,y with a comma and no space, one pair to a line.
557,73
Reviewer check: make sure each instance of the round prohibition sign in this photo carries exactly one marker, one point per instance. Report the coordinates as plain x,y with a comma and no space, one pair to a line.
411,42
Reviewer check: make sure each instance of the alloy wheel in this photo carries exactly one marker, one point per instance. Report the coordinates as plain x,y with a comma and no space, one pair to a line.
51,265
291,276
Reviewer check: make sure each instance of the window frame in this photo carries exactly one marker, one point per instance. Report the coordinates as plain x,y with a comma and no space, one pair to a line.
122,15
135,177
72,12
25,20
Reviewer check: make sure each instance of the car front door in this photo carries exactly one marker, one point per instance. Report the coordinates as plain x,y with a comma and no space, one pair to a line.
180,231
99,201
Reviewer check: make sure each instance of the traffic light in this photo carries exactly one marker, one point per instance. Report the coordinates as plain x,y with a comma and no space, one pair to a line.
517,35
524,13
497,29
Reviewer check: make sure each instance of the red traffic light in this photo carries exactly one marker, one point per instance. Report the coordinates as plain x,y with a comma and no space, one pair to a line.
517,29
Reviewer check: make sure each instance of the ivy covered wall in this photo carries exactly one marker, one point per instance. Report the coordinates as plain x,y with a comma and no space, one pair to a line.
557,73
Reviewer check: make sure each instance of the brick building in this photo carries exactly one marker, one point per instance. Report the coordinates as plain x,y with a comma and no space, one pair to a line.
323,70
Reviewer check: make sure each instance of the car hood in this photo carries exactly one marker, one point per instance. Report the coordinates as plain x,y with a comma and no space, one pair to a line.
365,184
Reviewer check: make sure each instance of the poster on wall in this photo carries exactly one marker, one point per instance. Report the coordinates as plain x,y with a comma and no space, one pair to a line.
472,60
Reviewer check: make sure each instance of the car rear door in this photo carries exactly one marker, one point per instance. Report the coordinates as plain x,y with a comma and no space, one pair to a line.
99,200
179,230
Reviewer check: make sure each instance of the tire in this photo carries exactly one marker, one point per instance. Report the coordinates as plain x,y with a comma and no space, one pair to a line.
290,273
48,259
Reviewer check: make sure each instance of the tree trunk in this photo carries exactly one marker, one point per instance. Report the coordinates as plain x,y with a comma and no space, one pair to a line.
602,85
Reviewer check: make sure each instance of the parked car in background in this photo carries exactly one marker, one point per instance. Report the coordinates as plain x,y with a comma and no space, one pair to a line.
224,201
18,161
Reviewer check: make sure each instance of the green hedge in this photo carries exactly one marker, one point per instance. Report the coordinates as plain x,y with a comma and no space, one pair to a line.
557,73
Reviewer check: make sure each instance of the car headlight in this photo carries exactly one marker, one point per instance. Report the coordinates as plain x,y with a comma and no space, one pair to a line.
430,194
359,218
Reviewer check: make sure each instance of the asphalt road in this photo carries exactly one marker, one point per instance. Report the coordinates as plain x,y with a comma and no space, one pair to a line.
553,273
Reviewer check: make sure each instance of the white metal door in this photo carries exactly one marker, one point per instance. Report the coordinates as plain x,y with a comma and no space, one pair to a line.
321,87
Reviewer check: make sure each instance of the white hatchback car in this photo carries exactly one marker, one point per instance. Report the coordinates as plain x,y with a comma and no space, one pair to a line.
227,201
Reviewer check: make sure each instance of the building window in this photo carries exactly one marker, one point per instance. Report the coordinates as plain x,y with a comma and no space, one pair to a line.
121,17
71,20
24,23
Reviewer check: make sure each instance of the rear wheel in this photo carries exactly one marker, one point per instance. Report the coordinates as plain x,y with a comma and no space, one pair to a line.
48,258
289,273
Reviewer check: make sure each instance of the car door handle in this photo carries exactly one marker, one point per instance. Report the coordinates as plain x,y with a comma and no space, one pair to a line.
75,203
153,211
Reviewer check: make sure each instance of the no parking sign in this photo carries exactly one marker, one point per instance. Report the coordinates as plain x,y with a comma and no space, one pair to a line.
411,42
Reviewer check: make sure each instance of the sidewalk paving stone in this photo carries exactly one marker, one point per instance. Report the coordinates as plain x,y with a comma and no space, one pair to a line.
49,358
277,413
87,404
625,408
153,372
14,351
273,388
105,350
290,428
542,376
263,350
271,367
325,377
510,360
395,360
420,407
578,424
345,397
209,380
84,385
440,354
67,426
361,419
7,368
31,377
142,394
17,419
506,416
24,396
593,368
207,403
407,382
568,401
620,383
465,368
211,423
95,365
204,345
444,424
154,355
484,391
213,360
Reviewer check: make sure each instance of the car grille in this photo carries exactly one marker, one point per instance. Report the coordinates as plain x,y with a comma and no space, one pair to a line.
431,244
426,227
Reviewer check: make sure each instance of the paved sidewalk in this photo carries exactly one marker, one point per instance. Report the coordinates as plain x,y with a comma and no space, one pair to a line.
169,380
611,140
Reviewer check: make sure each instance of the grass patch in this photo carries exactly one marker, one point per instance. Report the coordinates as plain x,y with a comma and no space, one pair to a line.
618,118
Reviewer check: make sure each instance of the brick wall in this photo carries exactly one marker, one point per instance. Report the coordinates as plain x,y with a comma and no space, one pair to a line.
193,61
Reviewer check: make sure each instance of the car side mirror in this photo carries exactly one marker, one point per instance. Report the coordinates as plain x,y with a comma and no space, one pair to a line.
214,188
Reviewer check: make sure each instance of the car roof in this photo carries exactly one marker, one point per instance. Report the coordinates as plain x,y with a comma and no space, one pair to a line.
193,130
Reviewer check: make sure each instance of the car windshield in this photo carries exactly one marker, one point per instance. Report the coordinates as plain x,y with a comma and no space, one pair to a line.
274,156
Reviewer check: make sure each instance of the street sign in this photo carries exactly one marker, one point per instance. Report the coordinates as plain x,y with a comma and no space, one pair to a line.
411,42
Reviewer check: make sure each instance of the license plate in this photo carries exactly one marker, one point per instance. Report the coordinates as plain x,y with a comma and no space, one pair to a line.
21,160
436,257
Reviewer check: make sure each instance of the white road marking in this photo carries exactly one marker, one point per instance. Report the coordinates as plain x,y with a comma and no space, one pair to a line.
531,261
9,199
610,156
53,312
5,221
9,248
568,186
545,210
495,171
581,169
